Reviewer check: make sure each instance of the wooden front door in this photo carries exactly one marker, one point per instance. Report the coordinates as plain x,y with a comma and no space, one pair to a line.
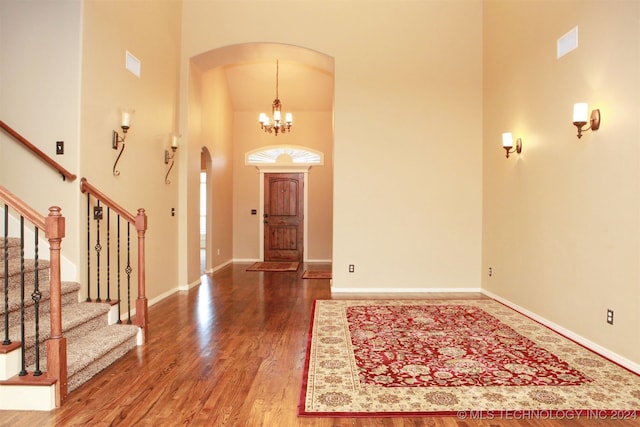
283,216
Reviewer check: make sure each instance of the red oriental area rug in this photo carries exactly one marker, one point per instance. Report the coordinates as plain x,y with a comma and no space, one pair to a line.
441,357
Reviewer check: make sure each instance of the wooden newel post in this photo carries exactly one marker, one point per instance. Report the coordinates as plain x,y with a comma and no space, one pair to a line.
57,344
142,317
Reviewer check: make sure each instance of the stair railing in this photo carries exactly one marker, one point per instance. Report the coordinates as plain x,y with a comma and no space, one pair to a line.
53,226
100,291
35,150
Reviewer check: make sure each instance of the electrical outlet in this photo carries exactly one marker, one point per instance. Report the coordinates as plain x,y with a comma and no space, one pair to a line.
490,271
59,147
610,316
352,268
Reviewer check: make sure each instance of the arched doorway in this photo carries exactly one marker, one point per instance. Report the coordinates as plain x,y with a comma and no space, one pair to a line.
224,86
206,201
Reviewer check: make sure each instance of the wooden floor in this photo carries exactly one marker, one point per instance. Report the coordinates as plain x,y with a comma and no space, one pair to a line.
229,353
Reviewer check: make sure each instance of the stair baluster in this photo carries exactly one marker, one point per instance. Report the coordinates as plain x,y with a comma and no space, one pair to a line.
36,296
108,255
23,367
118,272
128,271
97,216
99,201
88,247
6,340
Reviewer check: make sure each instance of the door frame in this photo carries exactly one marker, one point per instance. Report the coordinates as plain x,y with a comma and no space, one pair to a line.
304,170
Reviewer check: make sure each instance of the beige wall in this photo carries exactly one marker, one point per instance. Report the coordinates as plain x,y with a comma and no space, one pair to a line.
561,220
151,32
35,50
189,170
407,142
217,136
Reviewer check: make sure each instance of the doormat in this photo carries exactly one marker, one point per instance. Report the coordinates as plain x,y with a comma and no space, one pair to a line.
382,358
274,266
310,274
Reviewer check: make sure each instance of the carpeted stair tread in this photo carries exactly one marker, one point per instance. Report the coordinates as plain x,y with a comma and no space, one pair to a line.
93,353
29,266
93,346
69,292
73,316
13,245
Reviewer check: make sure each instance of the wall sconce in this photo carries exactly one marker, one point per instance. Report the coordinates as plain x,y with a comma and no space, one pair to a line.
116,139
507,144
580,118
168,156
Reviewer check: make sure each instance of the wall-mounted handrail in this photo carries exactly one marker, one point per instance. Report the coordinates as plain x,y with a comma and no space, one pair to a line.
139,221
65,173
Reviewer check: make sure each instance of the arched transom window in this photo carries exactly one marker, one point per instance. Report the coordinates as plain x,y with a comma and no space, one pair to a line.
284,155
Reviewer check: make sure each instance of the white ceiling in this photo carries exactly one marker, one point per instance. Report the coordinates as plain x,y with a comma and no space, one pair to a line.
302,87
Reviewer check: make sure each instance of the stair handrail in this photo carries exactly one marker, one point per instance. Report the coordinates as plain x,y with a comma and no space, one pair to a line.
139,221
39,153
21,207
53,226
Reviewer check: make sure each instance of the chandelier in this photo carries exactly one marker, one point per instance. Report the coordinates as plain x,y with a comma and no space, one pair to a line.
275,123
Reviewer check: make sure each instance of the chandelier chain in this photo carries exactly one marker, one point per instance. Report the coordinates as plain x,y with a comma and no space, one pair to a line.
277,78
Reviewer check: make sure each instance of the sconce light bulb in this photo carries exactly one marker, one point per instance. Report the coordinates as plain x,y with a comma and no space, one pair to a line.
580,111
126,119
507,140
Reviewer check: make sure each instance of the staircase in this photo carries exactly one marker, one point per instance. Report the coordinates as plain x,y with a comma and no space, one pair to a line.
92,342
43,324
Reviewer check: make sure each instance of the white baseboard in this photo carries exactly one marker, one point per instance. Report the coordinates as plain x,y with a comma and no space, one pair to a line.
219,267
188,286
335,290
156,299
620,360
